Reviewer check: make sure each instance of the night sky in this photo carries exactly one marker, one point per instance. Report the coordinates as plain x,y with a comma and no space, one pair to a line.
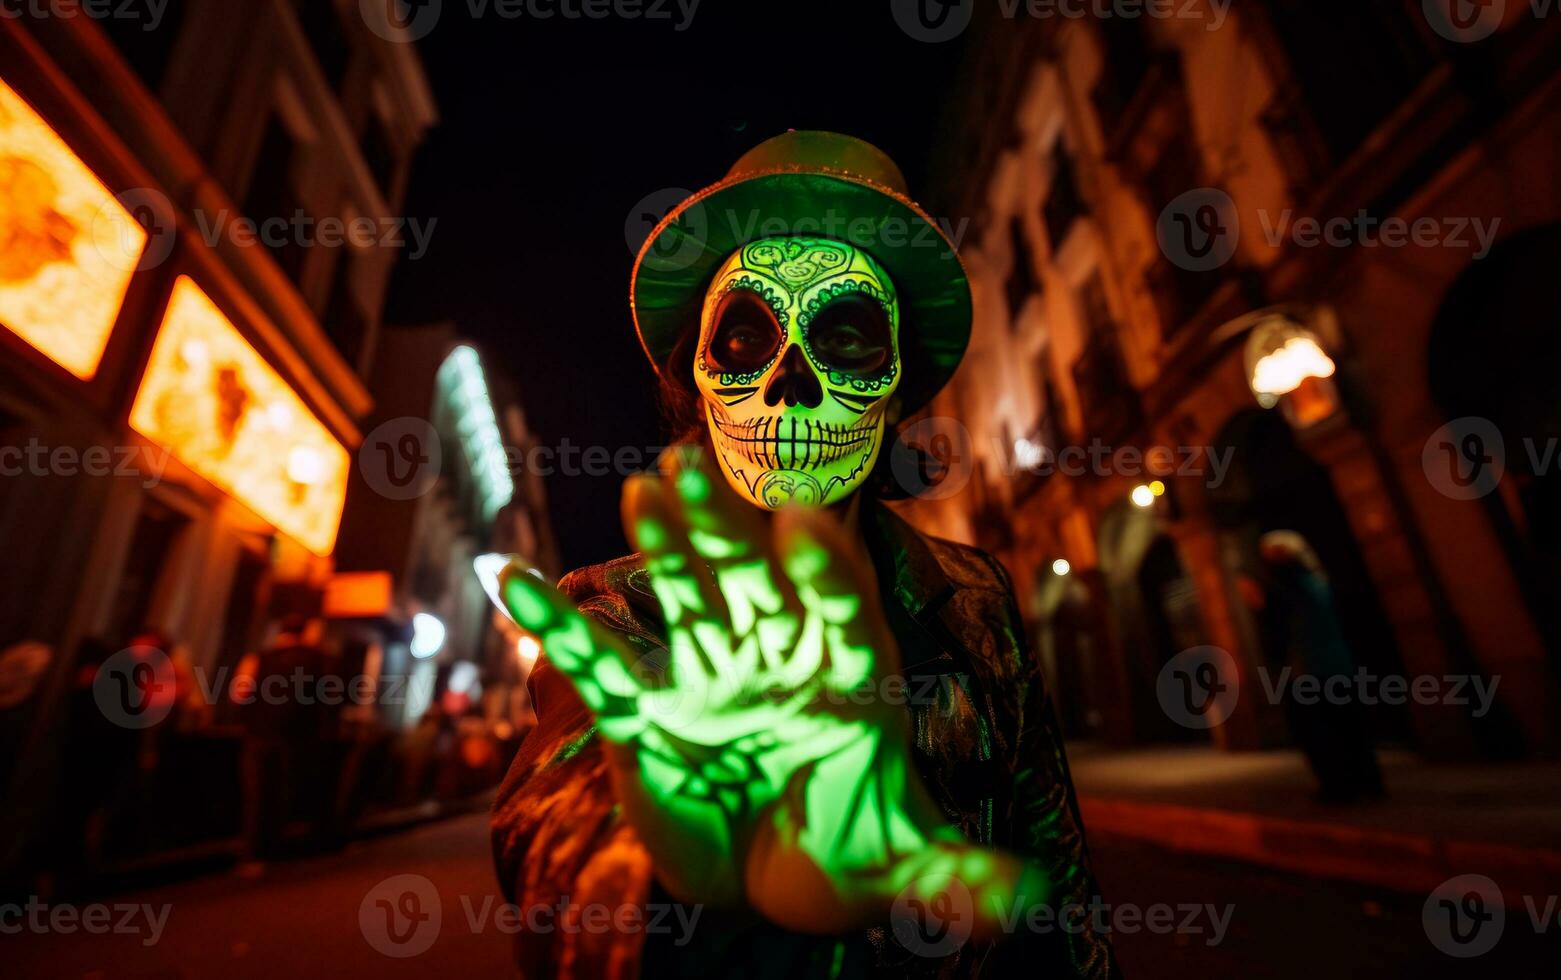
552,131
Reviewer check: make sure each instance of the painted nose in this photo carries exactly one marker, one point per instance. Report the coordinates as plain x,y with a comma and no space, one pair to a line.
794,382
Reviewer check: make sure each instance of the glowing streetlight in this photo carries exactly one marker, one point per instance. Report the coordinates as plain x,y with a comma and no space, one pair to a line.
1143,495
1060,567
428,634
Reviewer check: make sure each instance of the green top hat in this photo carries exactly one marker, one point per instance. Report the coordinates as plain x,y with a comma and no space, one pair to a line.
827,186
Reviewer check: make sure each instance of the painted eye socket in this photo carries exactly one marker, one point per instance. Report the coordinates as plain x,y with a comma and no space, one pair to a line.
746,335
851,335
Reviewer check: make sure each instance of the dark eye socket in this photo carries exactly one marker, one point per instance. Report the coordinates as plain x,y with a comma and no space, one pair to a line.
746,334
851,335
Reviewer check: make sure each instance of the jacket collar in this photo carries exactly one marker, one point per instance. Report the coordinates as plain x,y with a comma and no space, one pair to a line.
905,561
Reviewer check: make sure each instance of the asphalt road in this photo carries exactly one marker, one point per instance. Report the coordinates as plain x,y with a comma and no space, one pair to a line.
1175,916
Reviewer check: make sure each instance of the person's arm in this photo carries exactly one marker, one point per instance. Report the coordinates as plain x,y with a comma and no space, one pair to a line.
558,836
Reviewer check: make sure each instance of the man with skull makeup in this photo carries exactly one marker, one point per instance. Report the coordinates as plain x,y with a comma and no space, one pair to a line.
791,736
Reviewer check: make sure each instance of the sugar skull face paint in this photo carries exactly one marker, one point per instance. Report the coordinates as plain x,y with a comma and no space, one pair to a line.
798,358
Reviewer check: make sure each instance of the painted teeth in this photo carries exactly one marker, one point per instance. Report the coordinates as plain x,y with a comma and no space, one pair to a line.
789,443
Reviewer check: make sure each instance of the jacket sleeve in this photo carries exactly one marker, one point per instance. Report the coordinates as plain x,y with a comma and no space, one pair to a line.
559,843
1048,829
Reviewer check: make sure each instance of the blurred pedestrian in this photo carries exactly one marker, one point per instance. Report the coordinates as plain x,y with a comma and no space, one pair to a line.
289,737
1303,632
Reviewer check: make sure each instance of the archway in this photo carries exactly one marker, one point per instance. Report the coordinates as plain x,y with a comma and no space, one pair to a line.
1154,607
1273,485
1493,354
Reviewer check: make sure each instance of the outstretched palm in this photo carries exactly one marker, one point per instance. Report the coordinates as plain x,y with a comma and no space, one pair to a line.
750,762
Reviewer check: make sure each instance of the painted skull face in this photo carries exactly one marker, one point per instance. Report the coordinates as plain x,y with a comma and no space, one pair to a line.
798,358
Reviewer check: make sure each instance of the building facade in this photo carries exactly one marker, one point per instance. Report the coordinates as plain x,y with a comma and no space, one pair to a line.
199,210
1160,206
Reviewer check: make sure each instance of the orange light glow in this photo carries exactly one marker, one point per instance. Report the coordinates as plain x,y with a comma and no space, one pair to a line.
67,247
226,414
353,595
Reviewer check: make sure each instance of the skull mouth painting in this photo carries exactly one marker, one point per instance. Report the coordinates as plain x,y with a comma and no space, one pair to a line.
798,360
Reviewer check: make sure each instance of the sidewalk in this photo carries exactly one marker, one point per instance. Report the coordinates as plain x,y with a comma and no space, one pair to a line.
1438,821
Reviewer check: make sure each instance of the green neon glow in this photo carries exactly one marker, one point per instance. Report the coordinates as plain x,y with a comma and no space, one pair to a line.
461,380
775,454
742,768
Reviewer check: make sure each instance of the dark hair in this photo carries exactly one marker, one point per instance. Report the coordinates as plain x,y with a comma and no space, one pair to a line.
682,414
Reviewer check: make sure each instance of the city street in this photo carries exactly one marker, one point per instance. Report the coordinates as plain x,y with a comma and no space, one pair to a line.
301,919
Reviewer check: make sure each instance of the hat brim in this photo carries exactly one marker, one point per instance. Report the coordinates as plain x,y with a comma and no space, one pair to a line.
682,254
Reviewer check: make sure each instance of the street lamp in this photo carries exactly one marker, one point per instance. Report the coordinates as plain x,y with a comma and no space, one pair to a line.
1287,365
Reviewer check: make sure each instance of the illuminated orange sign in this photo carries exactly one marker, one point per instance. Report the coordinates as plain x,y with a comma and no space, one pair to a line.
226,414
67,247
353,595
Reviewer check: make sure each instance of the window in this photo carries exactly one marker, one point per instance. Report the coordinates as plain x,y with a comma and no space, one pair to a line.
271,194
1063,205
322,25
147,45
1021,283
1127,57
345,322
1353,70
1179,293
157,528
379,150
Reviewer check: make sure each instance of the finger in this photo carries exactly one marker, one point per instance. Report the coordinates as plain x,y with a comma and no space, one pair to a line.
835,583
594,659
731,535
701,642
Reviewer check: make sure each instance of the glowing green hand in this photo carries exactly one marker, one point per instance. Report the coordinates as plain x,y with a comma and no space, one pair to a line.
751,766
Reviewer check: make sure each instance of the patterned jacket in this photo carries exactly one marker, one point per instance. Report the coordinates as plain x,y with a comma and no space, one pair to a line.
986,744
